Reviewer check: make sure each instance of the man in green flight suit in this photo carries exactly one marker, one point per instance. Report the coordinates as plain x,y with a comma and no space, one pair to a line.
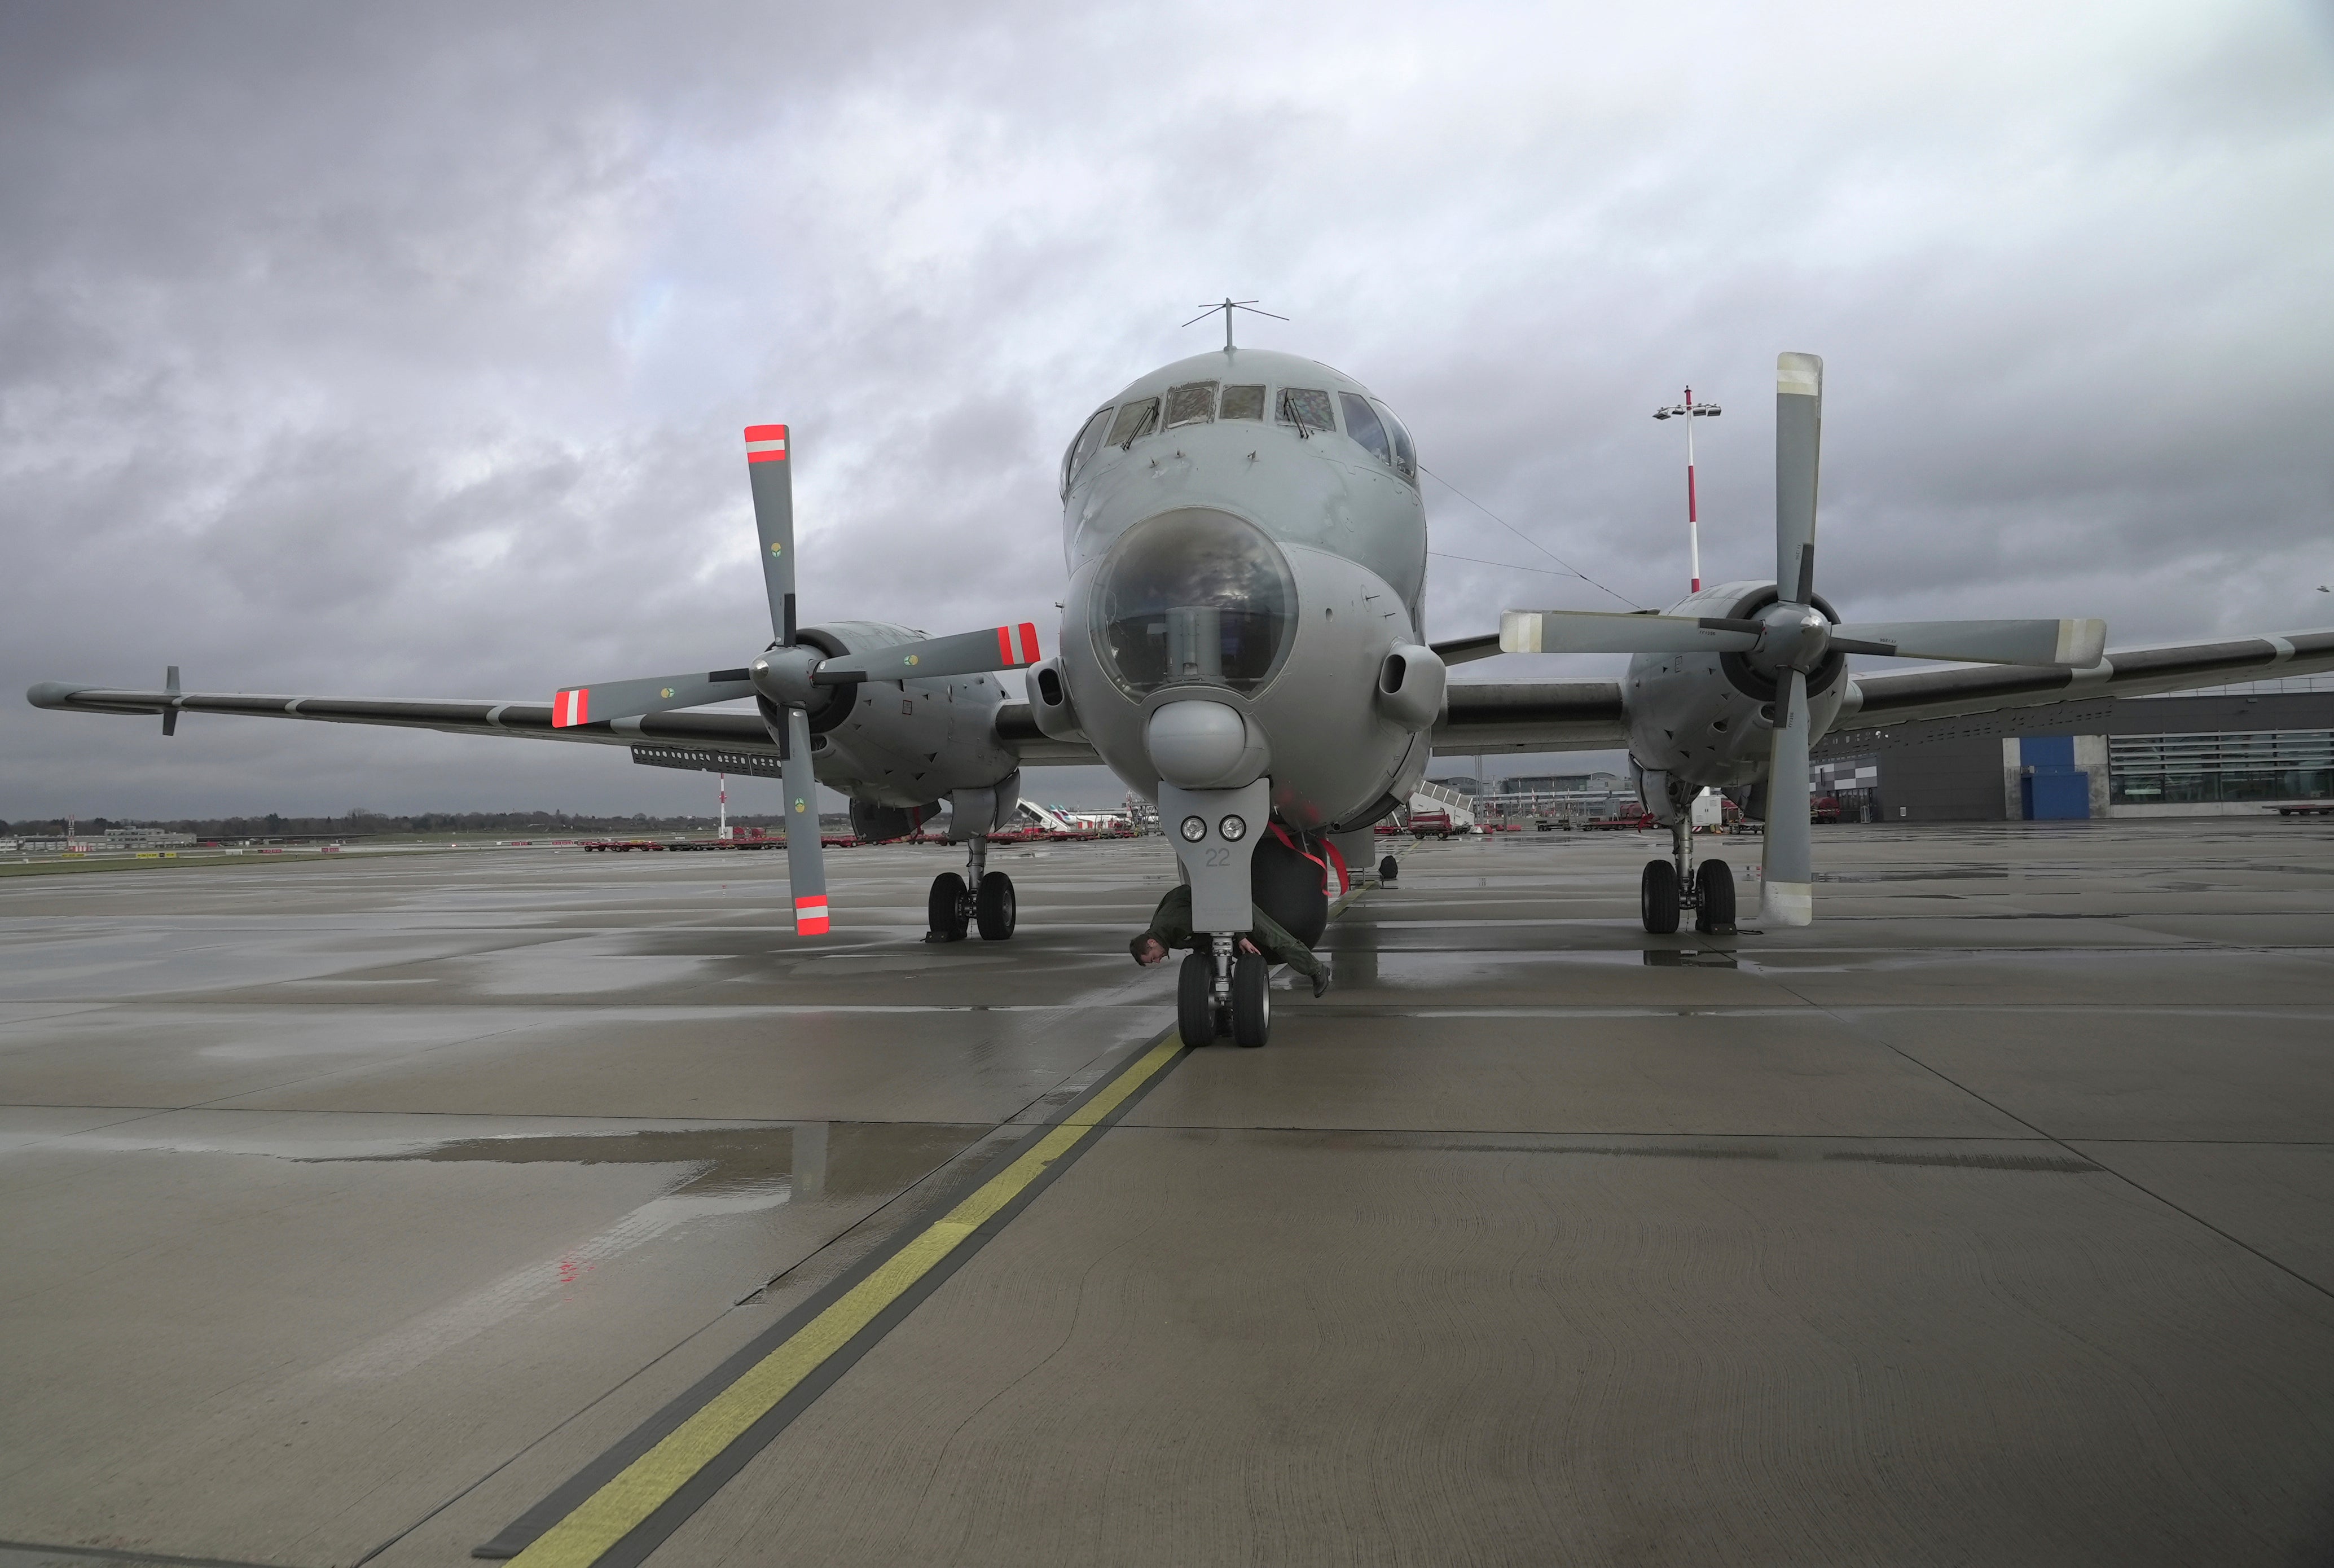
1170,926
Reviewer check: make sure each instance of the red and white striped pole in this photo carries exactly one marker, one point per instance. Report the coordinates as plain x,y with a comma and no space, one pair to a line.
1692,514
1691,411
723,832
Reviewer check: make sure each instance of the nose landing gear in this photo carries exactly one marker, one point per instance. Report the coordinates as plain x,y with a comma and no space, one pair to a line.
1222,991
1672,886
980,897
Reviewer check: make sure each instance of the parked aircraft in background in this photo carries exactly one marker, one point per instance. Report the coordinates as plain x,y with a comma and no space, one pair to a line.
1243,641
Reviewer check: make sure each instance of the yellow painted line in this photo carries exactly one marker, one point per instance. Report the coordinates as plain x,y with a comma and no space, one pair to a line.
642,1488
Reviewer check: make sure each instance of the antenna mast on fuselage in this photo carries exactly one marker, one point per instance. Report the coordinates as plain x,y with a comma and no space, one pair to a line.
1229,305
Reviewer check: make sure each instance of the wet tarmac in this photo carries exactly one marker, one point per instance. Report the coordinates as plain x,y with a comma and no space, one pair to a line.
349,1211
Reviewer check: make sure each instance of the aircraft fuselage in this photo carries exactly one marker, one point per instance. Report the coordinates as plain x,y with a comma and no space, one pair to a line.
1265,564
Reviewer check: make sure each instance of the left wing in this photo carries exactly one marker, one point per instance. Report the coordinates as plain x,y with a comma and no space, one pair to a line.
1503,716
1486,716
1902,698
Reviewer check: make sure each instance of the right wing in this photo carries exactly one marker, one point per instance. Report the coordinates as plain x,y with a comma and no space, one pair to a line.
740,734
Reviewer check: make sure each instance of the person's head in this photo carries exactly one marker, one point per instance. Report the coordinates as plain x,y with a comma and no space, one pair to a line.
1147,949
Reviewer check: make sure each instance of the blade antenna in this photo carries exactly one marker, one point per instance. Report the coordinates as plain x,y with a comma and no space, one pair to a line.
1229,305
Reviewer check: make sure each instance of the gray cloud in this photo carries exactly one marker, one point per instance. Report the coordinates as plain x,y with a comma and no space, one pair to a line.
404,351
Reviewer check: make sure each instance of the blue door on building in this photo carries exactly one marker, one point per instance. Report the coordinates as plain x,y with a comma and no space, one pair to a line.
2050,788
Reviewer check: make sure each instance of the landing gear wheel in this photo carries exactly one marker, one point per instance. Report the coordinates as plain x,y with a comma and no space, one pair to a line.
944,910
1389,869
1715,882
1195,1000
1657,897
1252,1000
996,911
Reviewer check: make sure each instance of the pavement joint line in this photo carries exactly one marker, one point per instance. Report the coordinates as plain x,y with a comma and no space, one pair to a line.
2137,1186
123,1554
623,1518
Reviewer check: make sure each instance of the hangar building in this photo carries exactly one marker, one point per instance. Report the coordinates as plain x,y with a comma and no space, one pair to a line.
2235,751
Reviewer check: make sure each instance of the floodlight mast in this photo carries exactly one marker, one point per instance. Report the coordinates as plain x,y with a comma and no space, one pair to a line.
1691,411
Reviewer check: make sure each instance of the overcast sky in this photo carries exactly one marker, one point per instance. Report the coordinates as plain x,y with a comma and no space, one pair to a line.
401,351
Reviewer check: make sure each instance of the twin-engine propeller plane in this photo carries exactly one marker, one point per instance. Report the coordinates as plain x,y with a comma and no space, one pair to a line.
1243,641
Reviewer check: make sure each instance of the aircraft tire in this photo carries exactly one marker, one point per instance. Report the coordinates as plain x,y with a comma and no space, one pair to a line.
1252,1000
944,910
1715,881
1389,869
996,907
1195,1000
1657,897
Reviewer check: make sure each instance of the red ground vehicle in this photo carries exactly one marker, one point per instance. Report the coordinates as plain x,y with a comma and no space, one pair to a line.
1639,821
1823,808
1431,824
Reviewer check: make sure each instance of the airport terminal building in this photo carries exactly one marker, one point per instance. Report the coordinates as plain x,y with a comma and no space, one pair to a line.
2238,750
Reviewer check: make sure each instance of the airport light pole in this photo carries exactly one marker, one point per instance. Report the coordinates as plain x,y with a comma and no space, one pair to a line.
1691,411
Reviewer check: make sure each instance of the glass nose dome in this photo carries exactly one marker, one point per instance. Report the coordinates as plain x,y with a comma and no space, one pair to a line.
1194,595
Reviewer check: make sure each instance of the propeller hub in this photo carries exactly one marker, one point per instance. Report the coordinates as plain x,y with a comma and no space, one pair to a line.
784,675
1797,638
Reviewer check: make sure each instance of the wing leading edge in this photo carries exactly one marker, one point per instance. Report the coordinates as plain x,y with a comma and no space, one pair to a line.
2148,671
742,733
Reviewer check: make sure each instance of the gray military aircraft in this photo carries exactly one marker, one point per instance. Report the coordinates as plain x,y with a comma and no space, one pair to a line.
1243,641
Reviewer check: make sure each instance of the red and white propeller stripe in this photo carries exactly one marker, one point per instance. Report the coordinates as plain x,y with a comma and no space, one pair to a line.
1028,636
810,914
571,708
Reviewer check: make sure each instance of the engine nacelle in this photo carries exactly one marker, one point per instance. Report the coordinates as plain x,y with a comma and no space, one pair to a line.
903,744
874,824
1708,719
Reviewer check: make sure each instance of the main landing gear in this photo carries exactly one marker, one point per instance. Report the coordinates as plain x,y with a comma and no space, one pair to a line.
980,897
1222,991
1677,884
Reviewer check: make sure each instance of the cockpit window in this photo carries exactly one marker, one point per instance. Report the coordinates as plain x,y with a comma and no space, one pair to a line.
1196,595
1191,405
1405,456
1139,417
1243,403
1305,408
1362,425
1082,448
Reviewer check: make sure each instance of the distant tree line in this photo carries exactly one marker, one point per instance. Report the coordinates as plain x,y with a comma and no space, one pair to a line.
363,824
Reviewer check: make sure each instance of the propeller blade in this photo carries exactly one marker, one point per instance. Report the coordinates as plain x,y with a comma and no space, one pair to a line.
805,859
607,700
965,653
1799,442
1789,882
771,472
2077,645
1598,631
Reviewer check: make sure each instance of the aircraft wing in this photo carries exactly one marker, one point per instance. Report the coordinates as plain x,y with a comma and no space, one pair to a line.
1488,716
742,733
1913,694
1017,728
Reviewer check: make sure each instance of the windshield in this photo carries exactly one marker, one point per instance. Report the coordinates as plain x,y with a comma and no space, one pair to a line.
1136,419
1362,425
1191,405
1082,448
1194,595
1307,408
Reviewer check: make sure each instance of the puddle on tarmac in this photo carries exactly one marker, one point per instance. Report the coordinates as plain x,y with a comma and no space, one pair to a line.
1936,873
1689,958
817,1158
738,1172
